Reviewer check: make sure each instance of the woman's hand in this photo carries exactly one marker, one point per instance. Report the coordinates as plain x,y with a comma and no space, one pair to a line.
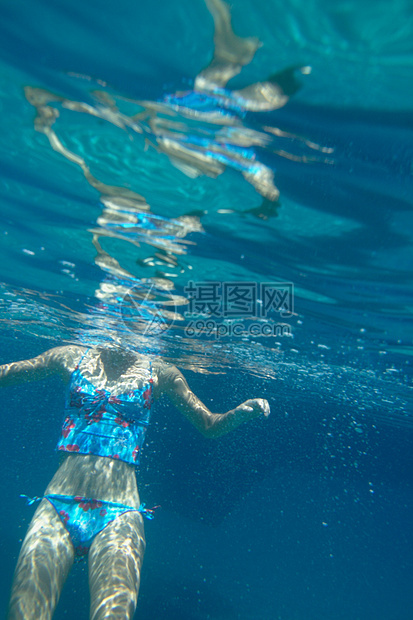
172,382
255,407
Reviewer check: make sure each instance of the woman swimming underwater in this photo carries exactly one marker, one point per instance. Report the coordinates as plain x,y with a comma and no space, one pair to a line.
91,506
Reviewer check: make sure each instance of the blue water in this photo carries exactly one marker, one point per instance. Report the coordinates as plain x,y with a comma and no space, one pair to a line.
306,516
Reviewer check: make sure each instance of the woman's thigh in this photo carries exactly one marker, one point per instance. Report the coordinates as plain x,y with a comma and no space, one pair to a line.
44,562
115,561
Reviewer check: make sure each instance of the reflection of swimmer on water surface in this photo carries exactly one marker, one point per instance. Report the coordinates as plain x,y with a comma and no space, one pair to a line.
126,214
92,506
206,150
203,131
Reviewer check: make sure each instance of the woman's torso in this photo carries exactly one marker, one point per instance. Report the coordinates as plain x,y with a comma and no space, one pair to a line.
96,475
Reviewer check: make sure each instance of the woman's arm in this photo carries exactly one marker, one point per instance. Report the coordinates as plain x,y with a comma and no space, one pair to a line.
173,383
58,360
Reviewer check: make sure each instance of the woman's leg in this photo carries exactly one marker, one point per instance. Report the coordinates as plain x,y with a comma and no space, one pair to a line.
45,560
115,561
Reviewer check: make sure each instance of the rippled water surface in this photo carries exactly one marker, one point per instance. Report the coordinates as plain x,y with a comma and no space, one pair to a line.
251,221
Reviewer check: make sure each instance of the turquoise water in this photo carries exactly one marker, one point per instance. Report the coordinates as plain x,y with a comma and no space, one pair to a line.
306,515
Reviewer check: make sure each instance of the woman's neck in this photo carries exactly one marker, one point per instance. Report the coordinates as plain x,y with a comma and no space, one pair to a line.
116,362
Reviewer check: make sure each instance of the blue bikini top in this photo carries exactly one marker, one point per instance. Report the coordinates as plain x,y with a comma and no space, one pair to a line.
104,425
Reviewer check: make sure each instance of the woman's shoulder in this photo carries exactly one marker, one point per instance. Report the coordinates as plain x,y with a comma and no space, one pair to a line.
161,367
66,356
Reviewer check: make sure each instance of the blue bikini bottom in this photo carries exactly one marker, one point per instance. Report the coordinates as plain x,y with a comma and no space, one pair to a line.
84,518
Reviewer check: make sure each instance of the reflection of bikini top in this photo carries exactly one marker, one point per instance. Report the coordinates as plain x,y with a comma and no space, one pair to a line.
218,100
104,425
